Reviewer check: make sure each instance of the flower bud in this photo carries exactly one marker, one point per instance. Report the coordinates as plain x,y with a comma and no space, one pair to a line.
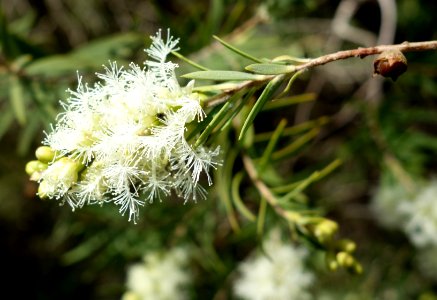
325,230
331,261
59,177
390,63
45,154
346,245
43,189
345,259
35,166
357,268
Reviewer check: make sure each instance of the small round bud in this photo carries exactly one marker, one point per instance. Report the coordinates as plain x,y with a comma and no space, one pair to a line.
35,166
45,154
331,261
357,268
346,245
325,230
390,63
44,189
59,178
345,259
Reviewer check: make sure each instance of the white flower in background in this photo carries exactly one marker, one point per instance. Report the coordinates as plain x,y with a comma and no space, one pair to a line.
413,212
278,274
161,276
385,204
122,140
421,224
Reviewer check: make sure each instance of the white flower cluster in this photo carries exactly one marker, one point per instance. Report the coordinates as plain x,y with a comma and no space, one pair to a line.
123,139
161,276
415,213
278,274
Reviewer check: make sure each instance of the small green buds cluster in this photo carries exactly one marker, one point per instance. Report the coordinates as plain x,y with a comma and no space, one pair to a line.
56,175
339,253
34,168
321,229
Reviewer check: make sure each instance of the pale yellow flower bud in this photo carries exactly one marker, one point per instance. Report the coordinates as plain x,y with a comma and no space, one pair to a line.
45,154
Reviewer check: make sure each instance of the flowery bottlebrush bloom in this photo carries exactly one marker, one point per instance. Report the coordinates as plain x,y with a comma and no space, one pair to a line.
413,212
421,224
385,204
278,274
122,140
161,276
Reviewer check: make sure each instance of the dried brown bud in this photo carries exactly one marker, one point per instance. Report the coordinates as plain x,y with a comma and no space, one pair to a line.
390,63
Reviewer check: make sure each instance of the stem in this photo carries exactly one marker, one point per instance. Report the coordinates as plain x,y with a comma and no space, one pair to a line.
363,52
324,59
261,186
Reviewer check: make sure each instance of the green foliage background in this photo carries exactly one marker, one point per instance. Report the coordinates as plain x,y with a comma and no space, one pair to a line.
53,253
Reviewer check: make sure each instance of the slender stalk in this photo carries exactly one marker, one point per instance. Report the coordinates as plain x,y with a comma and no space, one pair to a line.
328,58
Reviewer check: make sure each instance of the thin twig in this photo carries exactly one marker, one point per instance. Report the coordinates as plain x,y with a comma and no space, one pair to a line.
261,187
322,60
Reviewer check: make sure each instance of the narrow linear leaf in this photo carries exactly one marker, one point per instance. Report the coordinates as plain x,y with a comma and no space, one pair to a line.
238,108
294,146
216,87
265,96
216,120
27,136
189,61
6,119
202,125
236,50
287,58
85,249
271,145
317,175
287,101
16,96
270,69
223,75
296,129
261,216
224,187
291,81
236,181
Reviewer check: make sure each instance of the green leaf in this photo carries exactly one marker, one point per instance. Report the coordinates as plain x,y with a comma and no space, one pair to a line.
7,117
56,65
223,75
90,56
16,96
238,51
271,145
189,61
237,199
270,69
265,96
297,144
292,100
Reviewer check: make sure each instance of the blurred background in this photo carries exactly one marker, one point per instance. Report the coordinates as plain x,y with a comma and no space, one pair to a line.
379,128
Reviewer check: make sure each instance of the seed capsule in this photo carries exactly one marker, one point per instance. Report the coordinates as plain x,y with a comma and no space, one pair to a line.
390,63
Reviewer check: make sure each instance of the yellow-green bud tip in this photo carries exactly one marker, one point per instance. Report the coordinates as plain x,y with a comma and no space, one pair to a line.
325,230
45,154
43,189
35,166
345,259
346,245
